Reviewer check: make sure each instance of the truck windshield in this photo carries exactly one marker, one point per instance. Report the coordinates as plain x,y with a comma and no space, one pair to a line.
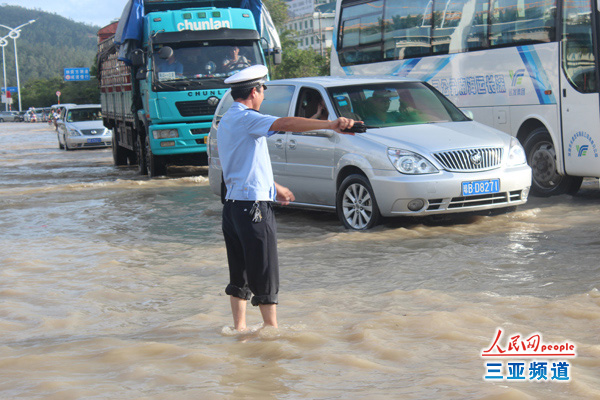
205,60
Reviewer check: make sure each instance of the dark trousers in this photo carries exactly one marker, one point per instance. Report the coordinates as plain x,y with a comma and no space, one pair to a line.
251,252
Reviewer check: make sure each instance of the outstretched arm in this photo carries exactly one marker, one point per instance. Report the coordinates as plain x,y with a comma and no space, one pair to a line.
299,124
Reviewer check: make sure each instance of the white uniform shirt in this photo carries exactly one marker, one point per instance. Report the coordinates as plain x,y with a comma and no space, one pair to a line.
242,143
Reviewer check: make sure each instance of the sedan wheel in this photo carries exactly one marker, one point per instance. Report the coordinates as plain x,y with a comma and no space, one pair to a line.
356,205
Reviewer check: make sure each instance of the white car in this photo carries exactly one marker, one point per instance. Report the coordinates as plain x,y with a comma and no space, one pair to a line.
418,155
81,126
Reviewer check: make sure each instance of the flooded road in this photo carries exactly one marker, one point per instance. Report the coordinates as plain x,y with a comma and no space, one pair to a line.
112,286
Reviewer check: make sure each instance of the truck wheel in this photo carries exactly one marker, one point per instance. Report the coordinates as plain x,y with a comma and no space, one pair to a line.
141,156
119,153
356,205
155,164
541,156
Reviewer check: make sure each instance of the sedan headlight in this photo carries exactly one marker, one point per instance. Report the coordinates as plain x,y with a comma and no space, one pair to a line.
165,134
73,132
516,153
408,162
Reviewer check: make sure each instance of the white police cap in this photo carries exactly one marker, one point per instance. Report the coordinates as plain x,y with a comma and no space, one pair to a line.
248,77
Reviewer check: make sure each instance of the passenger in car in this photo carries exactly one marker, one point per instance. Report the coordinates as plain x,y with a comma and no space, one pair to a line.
377,107
322,112
249,227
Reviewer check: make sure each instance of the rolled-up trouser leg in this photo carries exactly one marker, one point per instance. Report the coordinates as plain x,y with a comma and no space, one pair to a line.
238,282
258,242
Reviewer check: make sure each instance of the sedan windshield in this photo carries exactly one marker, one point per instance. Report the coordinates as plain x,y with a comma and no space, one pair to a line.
206,60
394,104
84,114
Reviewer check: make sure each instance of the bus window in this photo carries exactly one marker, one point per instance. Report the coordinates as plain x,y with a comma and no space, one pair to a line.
361,33
579,63
460,26
522,21
407,29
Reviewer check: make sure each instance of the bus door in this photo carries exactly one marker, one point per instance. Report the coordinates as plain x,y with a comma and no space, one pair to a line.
580,102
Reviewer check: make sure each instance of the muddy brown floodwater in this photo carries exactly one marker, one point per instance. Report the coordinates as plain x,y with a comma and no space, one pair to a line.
112,286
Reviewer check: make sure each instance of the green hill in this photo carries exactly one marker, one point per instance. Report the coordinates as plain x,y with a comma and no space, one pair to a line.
47,46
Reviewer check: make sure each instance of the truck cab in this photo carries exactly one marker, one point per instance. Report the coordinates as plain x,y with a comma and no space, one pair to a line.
163,108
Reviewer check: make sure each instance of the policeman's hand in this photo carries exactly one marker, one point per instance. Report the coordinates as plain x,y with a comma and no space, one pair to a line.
284,195
341,124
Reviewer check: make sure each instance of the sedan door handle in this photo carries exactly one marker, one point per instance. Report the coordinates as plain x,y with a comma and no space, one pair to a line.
292,144
319,133
279,143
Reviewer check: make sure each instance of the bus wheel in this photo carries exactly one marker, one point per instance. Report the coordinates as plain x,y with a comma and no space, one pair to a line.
141,155
541,156
155,164
356,205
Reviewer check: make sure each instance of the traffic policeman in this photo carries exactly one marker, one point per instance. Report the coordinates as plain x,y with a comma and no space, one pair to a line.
249,227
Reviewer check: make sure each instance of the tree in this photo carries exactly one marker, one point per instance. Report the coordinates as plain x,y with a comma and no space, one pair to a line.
295,63
298,63
42,92
279,12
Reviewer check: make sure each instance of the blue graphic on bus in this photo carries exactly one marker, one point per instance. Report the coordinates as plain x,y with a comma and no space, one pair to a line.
516,76
582,150
470,85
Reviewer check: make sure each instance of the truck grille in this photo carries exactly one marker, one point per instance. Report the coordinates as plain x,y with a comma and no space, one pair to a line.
470,160
193,108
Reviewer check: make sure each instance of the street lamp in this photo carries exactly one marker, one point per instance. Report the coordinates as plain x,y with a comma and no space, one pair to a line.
14,35
3,44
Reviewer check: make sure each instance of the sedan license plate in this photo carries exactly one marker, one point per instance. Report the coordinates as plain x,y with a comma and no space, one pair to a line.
94,140
480,187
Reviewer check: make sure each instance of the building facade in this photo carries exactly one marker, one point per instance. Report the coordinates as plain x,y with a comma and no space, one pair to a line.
313,26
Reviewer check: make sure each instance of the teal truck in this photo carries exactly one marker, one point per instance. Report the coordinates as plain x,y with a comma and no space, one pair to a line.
161,69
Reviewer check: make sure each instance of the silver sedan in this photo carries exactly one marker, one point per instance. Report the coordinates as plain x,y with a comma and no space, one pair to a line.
81,126
418,155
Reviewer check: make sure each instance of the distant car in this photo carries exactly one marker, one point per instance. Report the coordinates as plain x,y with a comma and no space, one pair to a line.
419,154
10,116
30,116
80,126
59,108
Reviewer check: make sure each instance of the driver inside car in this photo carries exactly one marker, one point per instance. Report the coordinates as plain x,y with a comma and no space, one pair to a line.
234,60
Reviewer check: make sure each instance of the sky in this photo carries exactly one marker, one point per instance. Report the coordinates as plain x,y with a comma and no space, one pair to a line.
93,12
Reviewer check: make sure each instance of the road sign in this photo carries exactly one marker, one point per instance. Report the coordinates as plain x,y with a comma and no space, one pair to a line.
11,89
58,93
77,74
7,98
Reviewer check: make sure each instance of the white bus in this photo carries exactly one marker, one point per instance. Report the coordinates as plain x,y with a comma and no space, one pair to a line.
526,67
